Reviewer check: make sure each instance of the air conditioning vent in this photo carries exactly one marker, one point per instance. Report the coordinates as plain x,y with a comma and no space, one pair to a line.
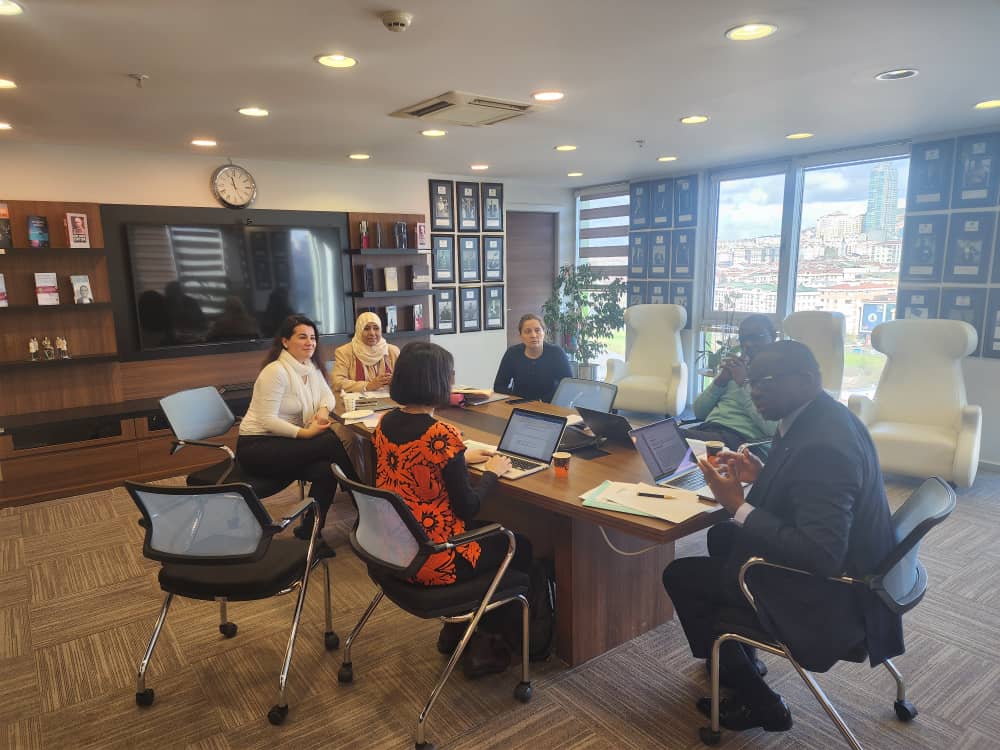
460,108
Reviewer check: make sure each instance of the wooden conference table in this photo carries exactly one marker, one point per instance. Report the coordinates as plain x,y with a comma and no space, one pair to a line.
605,599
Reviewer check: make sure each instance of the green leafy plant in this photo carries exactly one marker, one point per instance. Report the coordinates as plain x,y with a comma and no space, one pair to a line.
581,312
728,345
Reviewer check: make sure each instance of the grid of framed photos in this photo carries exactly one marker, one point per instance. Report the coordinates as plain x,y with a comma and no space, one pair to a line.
950,265
663,215
468,262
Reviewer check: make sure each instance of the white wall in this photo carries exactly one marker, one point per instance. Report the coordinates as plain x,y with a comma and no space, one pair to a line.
101,175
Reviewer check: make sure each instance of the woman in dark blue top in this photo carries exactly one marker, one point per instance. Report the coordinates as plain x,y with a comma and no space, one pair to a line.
532,369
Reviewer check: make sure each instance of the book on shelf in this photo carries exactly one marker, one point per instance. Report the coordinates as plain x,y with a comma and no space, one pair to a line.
5,235
418,317
369,279
82,292
38,231
3,292
46,289
77,230
391,279
391,319
423,239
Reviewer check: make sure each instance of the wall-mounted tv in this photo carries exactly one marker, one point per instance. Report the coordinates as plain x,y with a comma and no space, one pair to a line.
215,283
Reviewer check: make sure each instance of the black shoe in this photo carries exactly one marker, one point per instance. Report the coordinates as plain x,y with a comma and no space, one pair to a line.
305,528
724,677
449,637
738,716
322,549
485,654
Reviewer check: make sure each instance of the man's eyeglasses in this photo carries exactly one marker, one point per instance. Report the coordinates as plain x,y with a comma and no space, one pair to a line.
766,381
755,338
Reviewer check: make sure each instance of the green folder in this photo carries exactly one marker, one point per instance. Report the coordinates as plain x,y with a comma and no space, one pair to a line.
590,500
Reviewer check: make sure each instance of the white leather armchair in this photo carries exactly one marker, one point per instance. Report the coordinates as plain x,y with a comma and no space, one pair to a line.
920,421
653,377
823,332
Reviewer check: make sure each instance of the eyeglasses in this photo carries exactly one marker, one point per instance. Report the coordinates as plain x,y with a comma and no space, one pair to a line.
753,338
766,381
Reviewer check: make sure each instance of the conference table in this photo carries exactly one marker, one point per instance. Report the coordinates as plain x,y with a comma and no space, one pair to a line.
604,598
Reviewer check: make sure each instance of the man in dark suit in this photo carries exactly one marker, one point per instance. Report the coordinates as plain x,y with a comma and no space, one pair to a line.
818,504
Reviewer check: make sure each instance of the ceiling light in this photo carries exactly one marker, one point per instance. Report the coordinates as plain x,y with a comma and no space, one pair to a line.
206,142
566,147
574,174
666,158
896,75
749,32
798,136
359,157
988,104
434,133
7,84
336,61
694,119
547,96
6,126
479,167
10,8
254,112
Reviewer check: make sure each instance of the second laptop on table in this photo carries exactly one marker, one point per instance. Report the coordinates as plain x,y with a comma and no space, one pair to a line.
529,440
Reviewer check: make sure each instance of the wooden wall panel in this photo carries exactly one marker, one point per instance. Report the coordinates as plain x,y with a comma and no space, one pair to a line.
74,470
55,212
155,458
156,378
27,390
87,330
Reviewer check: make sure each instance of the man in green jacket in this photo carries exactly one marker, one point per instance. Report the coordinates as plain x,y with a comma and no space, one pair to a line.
725,407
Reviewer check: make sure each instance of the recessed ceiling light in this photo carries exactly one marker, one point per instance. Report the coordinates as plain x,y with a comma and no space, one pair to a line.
694,119
479,167
666,158
547,96
434,133
749,32
988,104
254,112
6,83
566,147
206,142
6,126
896,75
336,61
10,8
574,174
798,136
359,157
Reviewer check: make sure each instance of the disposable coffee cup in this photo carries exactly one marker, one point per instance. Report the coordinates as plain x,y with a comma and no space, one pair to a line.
560,462
712,450
350,401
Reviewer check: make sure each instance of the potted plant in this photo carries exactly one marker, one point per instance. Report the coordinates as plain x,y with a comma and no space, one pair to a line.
580,313
708,359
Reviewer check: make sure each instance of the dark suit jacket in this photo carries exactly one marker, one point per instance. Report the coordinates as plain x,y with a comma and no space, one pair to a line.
820,505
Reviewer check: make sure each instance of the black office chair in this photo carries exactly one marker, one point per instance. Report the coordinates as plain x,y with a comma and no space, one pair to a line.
198,414
900,582
219,543
392,543
590,394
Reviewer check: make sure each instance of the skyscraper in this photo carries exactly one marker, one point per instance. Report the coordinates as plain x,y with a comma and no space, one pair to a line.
883,197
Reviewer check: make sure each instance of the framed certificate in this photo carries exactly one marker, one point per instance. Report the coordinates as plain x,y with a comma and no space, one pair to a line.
492,193
930,176
657,292
991,331
976,171
918,304
468,259
659,254
493,307
471,319
970,245
492,257
968,304
686,201
637,254
442,258
661,200
680,294
923,247
682,254
442,197
444,311
638,202
467,199
636,293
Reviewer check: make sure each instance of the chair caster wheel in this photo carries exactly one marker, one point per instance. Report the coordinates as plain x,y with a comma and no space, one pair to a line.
228,629
345,675
523,692
905,711
708,737
277,715
145,698
331,640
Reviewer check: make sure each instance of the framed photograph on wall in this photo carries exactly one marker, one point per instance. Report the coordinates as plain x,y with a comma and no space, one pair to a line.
637,254
686,201
492,257
636,294
638,194
470,300
968,305
444,311
680,294
661,199
923,247
970,246
657,292
442,258
659,255
977,171
493,307
930,176
468,206
492,207
682,254
917,304
991,334
442,196
468,259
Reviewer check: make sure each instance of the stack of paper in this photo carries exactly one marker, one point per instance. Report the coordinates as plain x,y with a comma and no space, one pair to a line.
667,503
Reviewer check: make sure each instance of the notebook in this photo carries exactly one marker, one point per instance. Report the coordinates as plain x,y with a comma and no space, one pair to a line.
612,427
669,458
529,440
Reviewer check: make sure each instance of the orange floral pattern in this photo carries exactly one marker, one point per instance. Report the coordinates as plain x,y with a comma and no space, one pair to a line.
413,471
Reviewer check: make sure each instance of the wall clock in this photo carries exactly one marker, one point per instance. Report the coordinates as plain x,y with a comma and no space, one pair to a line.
233,186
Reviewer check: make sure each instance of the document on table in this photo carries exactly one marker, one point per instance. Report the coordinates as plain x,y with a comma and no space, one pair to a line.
667,503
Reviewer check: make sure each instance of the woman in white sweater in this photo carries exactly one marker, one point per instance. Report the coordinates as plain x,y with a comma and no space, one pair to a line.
286,433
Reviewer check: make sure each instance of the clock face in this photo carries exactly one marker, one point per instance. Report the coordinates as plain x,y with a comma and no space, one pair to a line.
233,186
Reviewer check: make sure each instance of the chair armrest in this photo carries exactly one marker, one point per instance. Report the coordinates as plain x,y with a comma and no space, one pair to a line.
178,444
966,462
473,535
617,369
283,524
754,561
863,408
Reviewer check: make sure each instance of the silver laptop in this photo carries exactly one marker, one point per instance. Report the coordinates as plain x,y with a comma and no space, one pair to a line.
669,458
529,440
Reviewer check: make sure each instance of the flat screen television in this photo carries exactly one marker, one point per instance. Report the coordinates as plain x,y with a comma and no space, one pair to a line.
207,284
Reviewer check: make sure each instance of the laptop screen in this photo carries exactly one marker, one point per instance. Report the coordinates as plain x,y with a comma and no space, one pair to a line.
664,449
532,434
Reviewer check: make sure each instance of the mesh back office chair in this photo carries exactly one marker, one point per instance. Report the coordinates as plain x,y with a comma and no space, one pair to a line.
394,546
197,414
590,394
218,543
900,582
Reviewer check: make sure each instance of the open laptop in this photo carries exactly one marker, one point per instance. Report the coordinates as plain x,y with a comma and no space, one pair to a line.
529,440
669,458
612,427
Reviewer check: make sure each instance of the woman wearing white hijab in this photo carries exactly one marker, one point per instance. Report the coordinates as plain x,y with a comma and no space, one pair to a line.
366,363
285,433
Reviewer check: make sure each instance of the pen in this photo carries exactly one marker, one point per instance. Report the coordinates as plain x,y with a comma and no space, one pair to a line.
653,494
